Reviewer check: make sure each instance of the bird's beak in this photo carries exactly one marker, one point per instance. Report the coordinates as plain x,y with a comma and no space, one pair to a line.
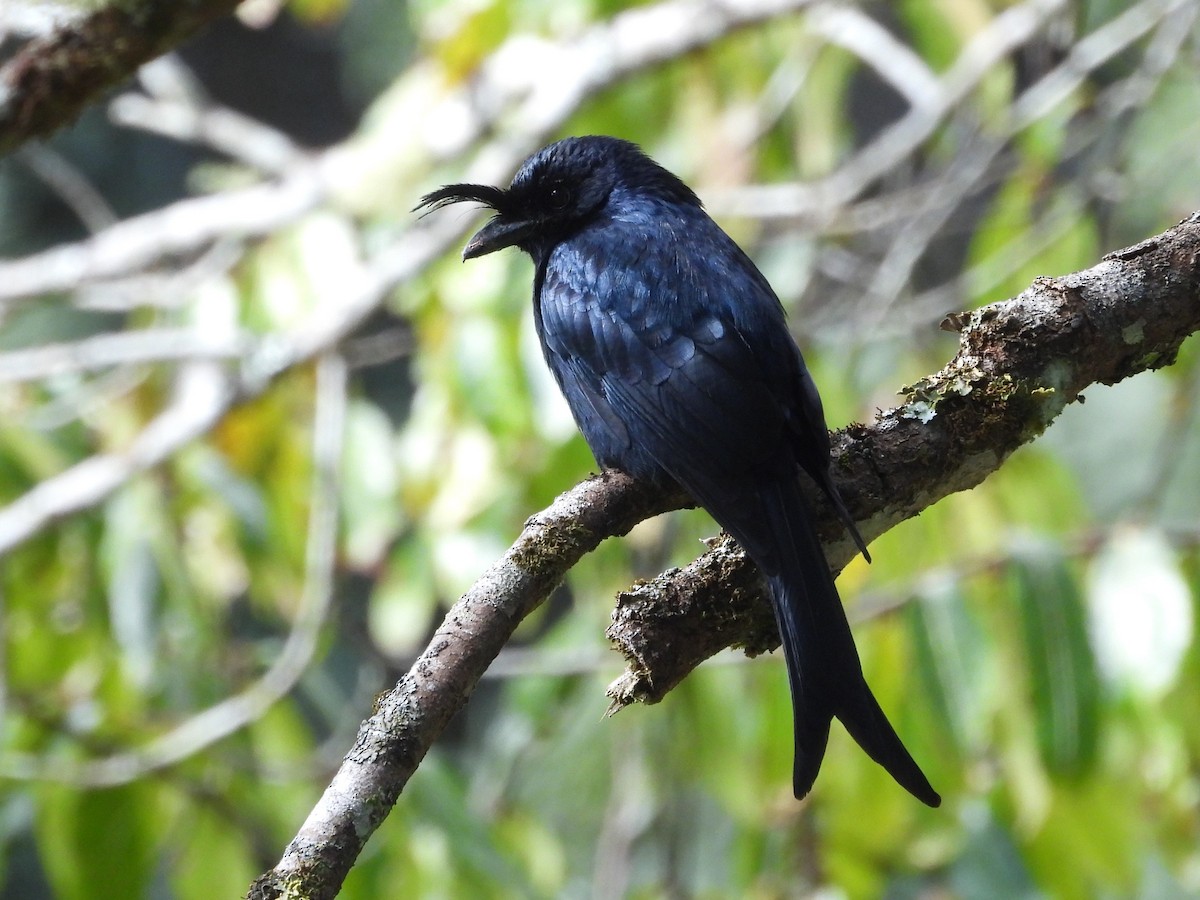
496,235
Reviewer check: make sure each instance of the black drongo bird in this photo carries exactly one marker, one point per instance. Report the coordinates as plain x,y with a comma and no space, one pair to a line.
674,356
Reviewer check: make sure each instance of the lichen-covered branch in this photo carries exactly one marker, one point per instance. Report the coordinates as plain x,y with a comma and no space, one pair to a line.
1019,364
51,79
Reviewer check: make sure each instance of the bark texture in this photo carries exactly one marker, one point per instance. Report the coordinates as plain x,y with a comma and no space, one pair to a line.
53,79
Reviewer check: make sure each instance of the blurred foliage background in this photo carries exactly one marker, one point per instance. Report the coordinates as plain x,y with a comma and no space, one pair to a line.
188,649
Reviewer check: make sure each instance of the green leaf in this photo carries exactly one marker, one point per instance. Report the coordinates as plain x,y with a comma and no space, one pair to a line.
215,859
937,36
1062,672
989,864
951,651
99,844
1089,839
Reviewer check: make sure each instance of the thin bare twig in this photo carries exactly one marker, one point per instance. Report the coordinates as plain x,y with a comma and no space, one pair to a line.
71,186
895,62
123,348
175,106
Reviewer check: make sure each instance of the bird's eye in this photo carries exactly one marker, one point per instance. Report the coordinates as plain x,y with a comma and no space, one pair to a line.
558,197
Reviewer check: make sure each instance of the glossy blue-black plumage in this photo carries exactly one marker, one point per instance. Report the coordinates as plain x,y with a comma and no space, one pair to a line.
673,354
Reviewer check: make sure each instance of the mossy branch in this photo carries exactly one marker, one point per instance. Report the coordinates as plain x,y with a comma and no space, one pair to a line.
50,80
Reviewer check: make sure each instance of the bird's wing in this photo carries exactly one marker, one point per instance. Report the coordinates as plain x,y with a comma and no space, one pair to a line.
691,383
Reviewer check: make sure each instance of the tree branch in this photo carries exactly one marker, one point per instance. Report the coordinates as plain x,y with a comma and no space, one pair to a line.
51,79
1019,364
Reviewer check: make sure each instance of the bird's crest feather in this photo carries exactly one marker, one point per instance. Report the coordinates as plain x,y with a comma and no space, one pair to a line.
449,194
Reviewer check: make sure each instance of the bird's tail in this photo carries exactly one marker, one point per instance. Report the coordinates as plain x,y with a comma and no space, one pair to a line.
824,671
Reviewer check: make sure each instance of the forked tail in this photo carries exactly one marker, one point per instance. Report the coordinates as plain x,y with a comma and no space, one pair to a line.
824,671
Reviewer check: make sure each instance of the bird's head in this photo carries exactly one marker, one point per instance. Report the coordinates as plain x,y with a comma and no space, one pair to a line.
558,190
